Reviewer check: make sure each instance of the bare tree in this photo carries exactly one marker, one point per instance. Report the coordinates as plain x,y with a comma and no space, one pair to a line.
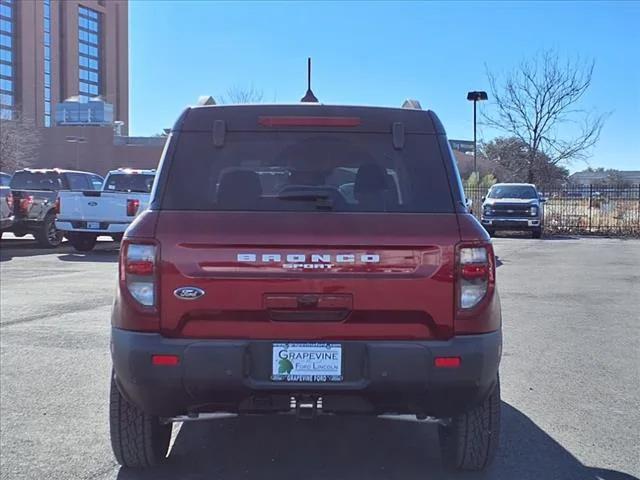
536,103
508,160
238,95
19,143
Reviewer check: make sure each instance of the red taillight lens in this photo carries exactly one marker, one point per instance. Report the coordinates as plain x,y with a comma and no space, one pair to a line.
139,268
301,121
475,273
471,272
447,362
56,207
133,204
138,272
25,204
165,360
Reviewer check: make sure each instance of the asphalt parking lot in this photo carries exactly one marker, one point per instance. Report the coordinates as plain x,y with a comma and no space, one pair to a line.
570,380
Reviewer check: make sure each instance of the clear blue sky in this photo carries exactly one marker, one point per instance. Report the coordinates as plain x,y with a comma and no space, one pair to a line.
378,53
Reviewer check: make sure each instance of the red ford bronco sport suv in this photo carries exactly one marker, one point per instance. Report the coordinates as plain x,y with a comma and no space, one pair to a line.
306,259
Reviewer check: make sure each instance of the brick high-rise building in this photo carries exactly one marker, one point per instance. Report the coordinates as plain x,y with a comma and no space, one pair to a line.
51,50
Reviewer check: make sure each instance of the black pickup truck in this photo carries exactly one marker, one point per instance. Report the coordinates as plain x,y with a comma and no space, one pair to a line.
35,198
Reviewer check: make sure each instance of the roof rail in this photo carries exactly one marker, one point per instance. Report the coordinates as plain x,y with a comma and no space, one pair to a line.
206,100
412,104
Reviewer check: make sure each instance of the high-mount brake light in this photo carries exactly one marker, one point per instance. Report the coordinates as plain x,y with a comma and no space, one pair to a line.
133,204
301,121
139,273
475,273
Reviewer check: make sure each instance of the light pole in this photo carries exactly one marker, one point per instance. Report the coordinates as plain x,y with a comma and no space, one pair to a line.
77,141
476,97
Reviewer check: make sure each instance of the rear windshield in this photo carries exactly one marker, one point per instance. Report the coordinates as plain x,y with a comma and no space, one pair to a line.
287,171
134,182
513,191
36,181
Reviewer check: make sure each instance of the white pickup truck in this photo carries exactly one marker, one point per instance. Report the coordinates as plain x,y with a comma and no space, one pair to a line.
84,216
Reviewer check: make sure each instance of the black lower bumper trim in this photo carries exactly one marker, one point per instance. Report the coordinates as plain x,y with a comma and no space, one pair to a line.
235,375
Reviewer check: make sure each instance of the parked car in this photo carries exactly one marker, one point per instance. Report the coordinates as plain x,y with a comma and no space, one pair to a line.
35,195
513,206
6,209
83,216
242,289
5,179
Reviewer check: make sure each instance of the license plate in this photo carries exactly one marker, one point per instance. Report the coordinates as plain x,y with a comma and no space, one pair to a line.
93,225
307,362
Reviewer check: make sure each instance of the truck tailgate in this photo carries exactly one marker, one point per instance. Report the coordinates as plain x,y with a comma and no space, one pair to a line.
99,206
350,276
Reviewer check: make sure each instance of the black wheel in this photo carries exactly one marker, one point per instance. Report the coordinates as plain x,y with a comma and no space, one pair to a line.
536,233
138,440
470,441
48,236
82,242
19,233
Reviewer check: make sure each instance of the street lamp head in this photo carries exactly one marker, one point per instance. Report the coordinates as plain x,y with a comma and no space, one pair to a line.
477,96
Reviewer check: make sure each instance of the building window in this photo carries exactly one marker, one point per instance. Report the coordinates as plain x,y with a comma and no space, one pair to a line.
47,62
89,35
7,68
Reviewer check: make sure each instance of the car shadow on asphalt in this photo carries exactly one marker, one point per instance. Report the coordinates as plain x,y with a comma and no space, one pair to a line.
355,447
26,248
106,255
104,251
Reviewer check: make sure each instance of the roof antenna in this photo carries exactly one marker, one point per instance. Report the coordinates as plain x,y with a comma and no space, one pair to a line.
309,97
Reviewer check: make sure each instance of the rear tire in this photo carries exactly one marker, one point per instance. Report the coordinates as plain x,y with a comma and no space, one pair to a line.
82,242
470,441
48,236
138,440
536,233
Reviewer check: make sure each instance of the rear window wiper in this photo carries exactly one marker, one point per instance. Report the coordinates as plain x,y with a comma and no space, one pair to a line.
323,200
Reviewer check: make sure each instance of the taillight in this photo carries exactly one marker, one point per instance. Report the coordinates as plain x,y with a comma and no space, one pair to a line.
475,274
138,270
56,206
25,204
9,200
133,204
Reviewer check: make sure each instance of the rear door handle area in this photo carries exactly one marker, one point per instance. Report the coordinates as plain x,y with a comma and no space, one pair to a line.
308,307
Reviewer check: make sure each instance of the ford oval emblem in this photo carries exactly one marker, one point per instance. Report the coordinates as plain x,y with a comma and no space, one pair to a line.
93,204
188,293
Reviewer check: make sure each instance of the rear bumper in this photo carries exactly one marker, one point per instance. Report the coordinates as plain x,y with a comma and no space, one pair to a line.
106,228
511,223
26,224
234,376
6,223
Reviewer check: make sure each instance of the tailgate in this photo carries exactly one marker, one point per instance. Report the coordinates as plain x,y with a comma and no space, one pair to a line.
307,276
98,206
32,204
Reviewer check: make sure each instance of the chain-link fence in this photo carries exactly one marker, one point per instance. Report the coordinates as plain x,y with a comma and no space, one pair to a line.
595,209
